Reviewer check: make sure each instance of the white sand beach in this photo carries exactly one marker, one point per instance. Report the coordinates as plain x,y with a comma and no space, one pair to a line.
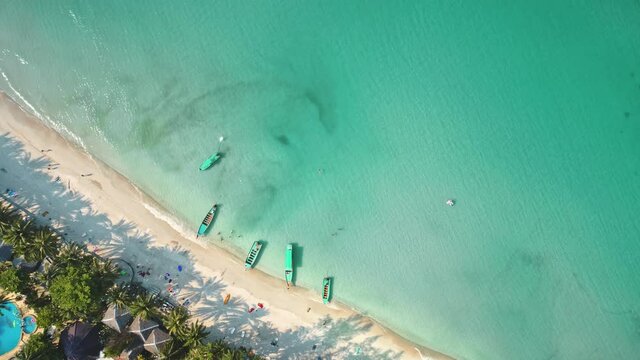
93,204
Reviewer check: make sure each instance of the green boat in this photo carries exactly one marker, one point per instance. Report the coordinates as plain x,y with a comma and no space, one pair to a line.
326,290
253,255
207,220
288,265
209,162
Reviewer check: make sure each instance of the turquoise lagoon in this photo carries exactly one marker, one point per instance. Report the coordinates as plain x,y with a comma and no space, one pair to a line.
349,123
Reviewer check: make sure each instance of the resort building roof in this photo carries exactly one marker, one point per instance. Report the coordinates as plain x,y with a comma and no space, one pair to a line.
157,340
142,327
80,342
117,317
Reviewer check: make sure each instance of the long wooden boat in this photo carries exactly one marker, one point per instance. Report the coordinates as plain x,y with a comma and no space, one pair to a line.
253,255
288,265
326,290
206,222
209,161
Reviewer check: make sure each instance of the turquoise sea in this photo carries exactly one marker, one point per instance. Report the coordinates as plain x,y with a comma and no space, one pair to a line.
348,124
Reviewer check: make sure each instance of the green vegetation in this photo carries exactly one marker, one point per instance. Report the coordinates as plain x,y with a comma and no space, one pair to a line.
39,347
117,343
10,279
77,285
145,306
4,300
219,350
175,321
32,242
74,294
194,334
119,296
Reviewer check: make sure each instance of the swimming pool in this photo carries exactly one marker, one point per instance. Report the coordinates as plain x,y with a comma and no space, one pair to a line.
29,324
10,328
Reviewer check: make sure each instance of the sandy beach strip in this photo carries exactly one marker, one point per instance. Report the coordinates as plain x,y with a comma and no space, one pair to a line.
61,185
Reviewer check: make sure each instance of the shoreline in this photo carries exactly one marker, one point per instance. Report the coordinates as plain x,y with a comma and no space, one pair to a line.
111,215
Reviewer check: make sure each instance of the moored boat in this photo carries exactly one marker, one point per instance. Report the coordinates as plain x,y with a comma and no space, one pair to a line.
326,290
253,255
206,222
209,161
288,265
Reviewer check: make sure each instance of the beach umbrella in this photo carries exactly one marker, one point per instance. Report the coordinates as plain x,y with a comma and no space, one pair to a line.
117,317
80,342
142,327
156,341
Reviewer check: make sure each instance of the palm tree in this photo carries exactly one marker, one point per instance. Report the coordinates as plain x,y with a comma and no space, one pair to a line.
19,235
175,321
118,296
218,347
194,334
45,245
105,268
69,253
7,217
170,350
144,306
200,352
231,354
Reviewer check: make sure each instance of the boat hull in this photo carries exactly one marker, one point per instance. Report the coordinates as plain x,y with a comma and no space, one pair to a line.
207,221
288,265
209,162
253,255
326,290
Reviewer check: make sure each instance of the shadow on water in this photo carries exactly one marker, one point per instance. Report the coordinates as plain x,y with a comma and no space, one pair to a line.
265,245
70,210
298,254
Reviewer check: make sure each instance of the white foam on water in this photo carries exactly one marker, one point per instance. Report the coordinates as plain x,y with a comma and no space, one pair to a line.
74,17
59,127
170,220
21,59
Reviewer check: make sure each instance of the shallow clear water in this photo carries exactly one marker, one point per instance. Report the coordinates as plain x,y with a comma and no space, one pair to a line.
29,324
10,328
348,125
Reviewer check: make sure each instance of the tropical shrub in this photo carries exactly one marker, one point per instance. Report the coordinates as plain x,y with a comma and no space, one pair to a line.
117,343
48,315
78,290
73,293
10,280
39,347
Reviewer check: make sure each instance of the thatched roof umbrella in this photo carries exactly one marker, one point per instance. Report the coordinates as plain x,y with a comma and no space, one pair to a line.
142,327
117,317
157,340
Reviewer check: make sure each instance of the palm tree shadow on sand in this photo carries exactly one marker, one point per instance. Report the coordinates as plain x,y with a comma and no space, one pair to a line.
67,210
